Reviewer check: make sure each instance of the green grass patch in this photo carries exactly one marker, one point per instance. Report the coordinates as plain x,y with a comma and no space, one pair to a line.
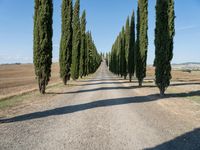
189,97
17,99
195,98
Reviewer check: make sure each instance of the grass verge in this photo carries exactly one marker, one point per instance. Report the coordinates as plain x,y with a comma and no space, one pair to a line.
18,99
189,97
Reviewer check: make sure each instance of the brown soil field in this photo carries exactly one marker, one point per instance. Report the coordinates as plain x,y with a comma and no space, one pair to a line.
15,79
178,75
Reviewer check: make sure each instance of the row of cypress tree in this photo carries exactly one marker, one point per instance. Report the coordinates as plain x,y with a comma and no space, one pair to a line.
129,55
123,51
78,53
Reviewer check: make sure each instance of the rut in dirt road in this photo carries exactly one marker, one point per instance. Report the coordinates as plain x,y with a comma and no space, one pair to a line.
101,113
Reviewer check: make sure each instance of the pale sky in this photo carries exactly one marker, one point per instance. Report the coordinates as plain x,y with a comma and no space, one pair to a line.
105,19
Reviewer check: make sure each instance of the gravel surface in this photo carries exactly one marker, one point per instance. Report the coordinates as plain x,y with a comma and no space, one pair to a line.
102,113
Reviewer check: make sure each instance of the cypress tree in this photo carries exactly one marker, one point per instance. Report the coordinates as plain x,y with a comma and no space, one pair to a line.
137,45
142,40
93,59
171,24
82,67
131,56
127,44
164,34
119,46
43,32
123,53
66,40
87,54
76,41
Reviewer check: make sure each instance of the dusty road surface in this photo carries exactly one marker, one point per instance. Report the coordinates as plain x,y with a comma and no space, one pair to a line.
105,113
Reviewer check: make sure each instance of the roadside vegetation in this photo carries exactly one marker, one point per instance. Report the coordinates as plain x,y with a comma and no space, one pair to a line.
127,51
16,100
78,54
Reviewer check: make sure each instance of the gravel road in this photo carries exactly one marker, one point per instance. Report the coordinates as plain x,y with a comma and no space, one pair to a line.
102,113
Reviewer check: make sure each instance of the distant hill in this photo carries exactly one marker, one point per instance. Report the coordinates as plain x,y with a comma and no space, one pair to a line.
188,63
192,66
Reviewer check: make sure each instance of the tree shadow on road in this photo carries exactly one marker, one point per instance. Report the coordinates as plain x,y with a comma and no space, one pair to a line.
101,80
187,141
94,90
102,83
185,83
116,88
95,104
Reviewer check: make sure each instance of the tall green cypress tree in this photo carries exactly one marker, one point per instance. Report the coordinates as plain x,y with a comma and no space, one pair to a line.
43,33
87,54
127,44
123,53
137,45
142,40
76,41
66,40
119,46
94,59
131,56
82,67
164,34
171,24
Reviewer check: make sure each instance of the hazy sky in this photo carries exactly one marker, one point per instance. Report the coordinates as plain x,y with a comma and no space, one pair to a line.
105,19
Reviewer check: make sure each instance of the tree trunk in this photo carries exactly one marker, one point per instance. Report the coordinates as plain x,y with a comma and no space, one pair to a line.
140,83
125,76
65,80
42,86
162,91
68,77
130,78
43,89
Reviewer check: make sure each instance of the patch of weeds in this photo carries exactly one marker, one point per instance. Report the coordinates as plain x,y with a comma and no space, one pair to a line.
195,98
17,99
14,100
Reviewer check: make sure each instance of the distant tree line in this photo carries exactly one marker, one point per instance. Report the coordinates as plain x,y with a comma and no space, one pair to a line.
78,54
129,51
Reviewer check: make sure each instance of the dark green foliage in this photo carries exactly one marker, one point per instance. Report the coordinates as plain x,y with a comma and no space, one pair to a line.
123,53
118,62
171,24
93,58
76,41
82,66
142,40
87,54
43,33
131,56
164,34
122,59
66,40
127,44
107,58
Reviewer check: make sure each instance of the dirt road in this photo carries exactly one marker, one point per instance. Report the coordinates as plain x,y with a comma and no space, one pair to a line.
102,113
